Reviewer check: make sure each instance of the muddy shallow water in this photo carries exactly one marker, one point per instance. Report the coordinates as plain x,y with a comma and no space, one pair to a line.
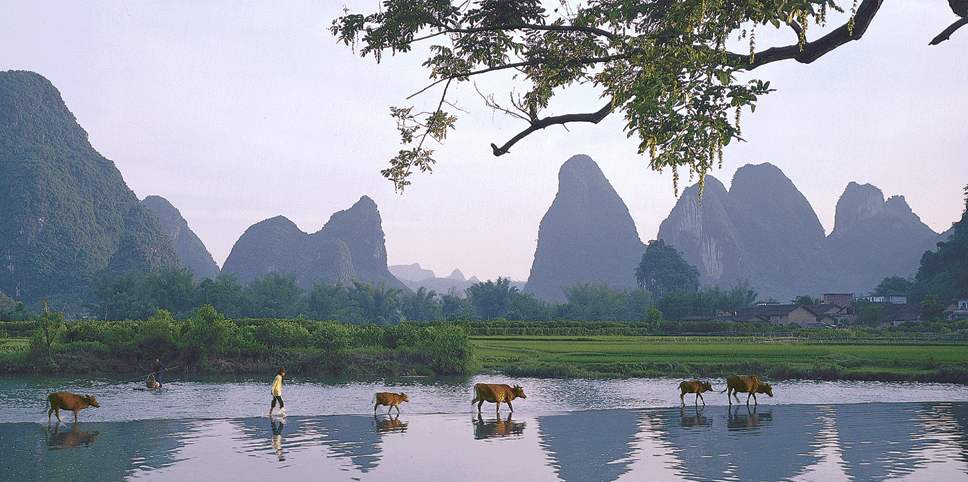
572,430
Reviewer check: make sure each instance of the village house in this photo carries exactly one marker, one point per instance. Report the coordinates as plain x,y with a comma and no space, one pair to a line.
836,309
957,309
813,316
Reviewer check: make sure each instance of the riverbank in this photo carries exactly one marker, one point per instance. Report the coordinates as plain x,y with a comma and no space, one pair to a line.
605,356
712,357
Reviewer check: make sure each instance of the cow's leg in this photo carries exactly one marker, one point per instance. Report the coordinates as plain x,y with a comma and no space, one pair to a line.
75,415
748,399
50,412
699,397
730,400
509,406
374,407
754,399
479,405
682,399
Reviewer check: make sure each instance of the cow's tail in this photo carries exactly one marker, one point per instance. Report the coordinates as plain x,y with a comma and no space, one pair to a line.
724,390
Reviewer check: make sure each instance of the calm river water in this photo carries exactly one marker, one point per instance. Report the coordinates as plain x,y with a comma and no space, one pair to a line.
571,430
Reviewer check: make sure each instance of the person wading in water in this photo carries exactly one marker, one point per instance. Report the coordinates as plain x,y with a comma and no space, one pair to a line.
276,392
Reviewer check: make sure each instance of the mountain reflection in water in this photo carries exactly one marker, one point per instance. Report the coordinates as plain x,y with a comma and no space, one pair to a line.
872,441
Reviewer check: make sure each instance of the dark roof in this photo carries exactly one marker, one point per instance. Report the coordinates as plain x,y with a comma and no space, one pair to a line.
820,310
910,311
766,310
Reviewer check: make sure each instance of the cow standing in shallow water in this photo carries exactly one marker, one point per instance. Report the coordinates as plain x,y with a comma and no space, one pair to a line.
750,384
488,392
391,400
696,387
69,401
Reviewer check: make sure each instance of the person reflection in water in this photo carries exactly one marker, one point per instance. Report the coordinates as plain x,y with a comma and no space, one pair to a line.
277,438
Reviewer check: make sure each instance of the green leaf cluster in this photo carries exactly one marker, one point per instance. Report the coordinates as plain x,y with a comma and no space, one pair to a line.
665,65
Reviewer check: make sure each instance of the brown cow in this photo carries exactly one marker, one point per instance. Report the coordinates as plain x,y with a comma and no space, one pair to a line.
68,401
750,384
489,392
391,400
696,387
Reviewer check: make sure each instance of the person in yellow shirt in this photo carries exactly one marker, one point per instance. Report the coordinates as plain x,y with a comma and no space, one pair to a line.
276,391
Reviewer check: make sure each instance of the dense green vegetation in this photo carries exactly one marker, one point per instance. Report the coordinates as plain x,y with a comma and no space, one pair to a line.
945,272
662,270
136,295
210,343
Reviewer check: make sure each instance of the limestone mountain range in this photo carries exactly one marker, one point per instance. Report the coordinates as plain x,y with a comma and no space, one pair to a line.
56,238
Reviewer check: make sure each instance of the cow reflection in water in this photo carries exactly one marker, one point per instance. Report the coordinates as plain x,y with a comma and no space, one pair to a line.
496,428
739,420
693,419
277,426
68,440
389,423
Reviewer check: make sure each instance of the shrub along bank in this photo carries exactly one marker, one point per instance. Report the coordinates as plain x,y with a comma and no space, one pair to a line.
210,343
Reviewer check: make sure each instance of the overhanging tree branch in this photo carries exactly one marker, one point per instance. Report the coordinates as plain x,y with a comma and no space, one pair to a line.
808,52
594,118
946,33
662,63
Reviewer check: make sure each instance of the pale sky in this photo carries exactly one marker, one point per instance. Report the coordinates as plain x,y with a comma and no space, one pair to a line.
238,112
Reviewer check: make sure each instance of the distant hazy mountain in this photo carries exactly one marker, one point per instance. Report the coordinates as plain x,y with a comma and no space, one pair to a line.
587,235
350,247
66,214
873,238
191,250
416,277
410,272
764,231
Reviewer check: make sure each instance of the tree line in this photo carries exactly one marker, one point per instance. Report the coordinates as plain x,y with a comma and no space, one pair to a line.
137,296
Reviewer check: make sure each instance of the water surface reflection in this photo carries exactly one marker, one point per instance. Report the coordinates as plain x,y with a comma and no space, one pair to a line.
784,442
496,428
59,438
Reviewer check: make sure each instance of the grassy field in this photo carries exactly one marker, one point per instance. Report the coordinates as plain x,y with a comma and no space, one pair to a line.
714,356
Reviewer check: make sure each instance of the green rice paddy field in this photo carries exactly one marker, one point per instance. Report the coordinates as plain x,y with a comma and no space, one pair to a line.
715,356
